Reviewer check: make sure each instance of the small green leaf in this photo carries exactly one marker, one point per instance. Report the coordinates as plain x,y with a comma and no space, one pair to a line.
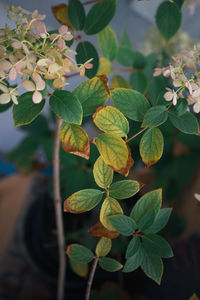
147,220
168,19
110,119
110,207
4,107
125,40
26,111
85,51
181,107
91,94
124,189
160,221
66,106
152,266
134,261
79,253
155,116
149,201
110,264
103,174
107,41
125,56
103,246
82,201
139,60
138,82
186,123
151,146
133,246
156,245
123,224
81,269
131,103
119,82
76,14
99,16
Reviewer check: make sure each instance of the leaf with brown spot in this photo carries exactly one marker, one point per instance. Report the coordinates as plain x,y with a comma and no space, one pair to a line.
104,79
60,12
75,140
98,230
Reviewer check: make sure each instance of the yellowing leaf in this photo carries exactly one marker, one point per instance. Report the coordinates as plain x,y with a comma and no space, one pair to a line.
103,247
110,207
103,174
105,66
75,140
82,201
115,152
151,146
109,119
60,12
194,297
119,82
98,230
81,269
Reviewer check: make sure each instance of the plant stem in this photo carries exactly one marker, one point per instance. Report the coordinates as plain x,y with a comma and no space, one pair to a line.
91,277
72,75
58,212
132,137
125,70
91,2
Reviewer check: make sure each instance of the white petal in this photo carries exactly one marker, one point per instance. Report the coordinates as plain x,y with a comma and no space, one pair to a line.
3,88
14,99
37,97
4,98
28,85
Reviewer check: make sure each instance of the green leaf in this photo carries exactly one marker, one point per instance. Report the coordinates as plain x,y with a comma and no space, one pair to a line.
156,245
139,60
103,246
181,107
125,40
66,106
105,66
147,220
4,107
103,174
99,16
134,261
82,201
76,14
75,140
152,266
91,94
119,82
79,253
168,19
81,269
114,152
110,207
26,111
125,56
110,264
155,116
85,51
109,119
133,246
123,224
131,103
138,82
124,189
160,221
149,201
107,41
186,123
151,146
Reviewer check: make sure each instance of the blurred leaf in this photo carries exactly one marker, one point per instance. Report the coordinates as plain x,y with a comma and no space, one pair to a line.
119,82
81,269
60,12
110,264
103,246
105,66
4,107
76,14
79,253
138,82
99,230
125,40
186,123
107,41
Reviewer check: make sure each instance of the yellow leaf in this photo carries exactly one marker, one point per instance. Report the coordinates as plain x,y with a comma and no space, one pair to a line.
110,207
103,247
75,140
105,66
103,174
81,269
109,119
119,82
60,12
194,297
151,146
115,152
98,230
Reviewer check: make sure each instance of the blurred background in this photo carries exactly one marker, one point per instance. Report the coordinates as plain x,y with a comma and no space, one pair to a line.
28,249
